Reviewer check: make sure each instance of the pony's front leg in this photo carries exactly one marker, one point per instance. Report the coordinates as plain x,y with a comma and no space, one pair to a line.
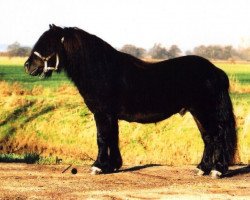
109,157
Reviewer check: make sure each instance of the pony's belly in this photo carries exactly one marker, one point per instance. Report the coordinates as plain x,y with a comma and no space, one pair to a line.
144,118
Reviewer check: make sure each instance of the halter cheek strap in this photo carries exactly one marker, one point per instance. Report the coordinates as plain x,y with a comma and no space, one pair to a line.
46,59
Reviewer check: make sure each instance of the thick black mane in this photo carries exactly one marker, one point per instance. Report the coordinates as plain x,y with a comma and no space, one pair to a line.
118,86
96,61
92,48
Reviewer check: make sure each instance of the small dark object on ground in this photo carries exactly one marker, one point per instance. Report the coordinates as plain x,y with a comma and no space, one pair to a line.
58,160
74,171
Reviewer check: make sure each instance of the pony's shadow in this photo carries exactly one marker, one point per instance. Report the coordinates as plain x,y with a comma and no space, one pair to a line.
137,168
237,172
230,173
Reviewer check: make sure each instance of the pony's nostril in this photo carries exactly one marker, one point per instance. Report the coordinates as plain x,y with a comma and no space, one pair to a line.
26,64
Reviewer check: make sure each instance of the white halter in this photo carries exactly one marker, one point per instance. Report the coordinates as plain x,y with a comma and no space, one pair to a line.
46,59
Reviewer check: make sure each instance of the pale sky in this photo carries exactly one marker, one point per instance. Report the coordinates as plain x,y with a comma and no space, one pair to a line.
187,23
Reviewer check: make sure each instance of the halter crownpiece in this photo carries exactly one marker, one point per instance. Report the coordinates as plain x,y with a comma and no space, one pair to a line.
46,59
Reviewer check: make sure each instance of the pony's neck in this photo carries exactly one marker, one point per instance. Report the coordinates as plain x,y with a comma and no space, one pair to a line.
91,58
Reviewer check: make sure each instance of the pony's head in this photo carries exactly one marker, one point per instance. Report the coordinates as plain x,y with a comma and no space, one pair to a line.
47,54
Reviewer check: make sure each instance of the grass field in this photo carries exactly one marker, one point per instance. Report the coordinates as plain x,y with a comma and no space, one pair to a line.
49,118
12,71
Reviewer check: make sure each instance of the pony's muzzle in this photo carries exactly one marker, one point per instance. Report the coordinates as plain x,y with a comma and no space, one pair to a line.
26,67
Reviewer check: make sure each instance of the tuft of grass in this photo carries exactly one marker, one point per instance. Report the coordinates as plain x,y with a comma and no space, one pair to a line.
29,158
9,158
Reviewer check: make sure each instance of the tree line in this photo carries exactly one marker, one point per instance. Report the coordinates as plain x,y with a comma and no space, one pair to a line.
214,52
218,52
158,51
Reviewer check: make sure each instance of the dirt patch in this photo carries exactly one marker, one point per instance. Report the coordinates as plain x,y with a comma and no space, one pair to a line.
22,181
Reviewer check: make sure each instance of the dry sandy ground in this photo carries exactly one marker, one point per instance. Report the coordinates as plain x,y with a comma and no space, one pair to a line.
22,181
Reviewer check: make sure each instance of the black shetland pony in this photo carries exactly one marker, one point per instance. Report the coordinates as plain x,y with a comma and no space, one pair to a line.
117,86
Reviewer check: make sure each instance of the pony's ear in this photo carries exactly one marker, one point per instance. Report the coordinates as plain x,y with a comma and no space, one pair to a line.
53,26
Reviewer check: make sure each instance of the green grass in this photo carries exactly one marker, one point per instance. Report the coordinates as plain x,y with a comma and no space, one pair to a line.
48,118
239,71
12,70
12,74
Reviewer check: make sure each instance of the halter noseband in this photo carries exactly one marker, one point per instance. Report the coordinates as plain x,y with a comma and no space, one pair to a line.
46,59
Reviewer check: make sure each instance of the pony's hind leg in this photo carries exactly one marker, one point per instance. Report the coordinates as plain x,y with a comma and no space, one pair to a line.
217,127
214,160
205,166
225,139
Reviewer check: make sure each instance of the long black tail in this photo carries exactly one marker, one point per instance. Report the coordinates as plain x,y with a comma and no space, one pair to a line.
226,119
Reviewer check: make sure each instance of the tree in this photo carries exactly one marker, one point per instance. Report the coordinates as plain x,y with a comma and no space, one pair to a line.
158,52
245,53
188,53
174,51
228,52
133,50
13,48
16,49
200,51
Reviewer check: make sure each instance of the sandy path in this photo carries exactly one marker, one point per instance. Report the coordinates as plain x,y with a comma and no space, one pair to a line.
22,181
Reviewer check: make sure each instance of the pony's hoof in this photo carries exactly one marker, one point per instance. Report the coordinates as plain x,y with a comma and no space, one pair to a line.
214,174
95,170
199,172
